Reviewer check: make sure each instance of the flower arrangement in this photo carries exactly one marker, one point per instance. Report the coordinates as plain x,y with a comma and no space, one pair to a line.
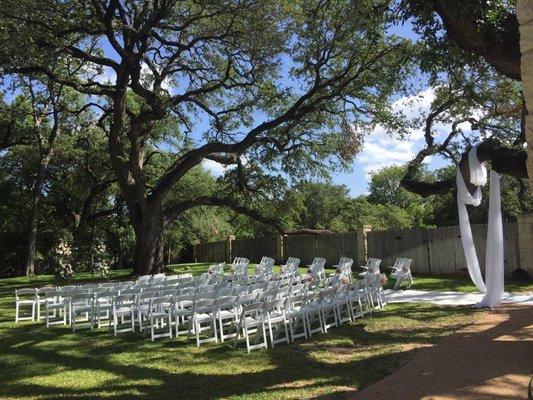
384,280
100,264
62,256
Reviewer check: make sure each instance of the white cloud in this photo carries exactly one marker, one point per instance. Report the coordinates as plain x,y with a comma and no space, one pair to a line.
216,169
108,75
146,73
383,149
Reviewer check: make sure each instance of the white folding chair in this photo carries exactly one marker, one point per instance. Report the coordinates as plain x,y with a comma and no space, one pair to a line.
239,266
144,279
142,306
265,267
401,271
160,315
123,307
316,268
356,298
182,313
371,267
81,303
296,316
274,317
55,307
313,314
290,268
39,301
226,313
103,305
327,306
252,326
343,304
344,269
25,297
203,319
216,269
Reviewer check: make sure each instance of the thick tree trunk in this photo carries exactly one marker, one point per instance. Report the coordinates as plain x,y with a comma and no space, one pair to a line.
525,19
29,267
159,258
148,231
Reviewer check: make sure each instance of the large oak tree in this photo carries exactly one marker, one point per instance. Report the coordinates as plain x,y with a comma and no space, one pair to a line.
263,86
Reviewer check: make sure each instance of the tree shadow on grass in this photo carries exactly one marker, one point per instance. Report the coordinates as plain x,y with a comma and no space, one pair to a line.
49,362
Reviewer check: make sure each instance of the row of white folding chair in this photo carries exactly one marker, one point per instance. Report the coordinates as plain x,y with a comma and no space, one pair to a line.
102,304
194,309
197,323
33,298
152,279
306,314
95,305
196,312
278,317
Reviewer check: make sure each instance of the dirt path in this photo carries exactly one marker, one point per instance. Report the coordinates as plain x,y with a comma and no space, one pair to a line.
491,359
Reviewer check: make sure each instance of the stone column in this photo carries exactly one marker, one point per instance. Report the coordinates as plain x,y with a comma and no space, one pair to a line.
229,248
524,13
195,252
525,241
279,248
362,246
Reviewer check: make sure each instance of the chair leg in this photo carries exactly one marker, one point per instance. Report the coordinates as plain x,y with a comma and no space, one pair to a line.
132,321
264,333
270,333
292,331
221,328
247,337
197,331
286,331
214,328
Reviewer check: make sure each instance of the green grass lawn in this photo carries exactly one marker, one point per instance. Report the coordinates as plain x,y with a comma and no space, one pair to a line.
41,363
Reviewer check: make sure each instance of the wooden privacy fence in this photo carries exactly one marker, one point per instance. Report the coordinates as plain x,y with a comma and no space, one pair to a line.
210,252
439,251
434,251
330,246
255,248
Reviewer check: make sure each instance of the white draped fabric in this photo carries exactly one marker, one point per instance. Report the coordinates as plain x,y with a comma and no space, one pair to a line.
493,287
